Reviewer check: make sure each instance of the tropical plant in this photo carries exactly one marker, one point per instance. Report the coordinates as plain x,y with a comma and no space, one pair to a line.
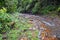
4,20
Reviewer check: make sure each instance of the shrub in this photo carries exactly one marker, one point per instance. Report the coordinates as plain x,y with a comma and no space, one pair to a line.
47,9
37,6
11,5
4,20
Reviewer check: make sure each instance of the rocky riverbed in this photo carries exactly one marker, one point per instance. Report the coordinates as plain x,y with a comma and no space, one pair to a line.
46,25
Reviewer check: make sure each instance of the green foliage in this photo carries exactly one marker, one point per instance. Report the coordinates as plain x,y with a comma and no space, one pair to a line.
21,24
4,20
37,6
11,5
0,36
4,10
13,34
58,9
32,35
47,9
25,5
32,6
2,3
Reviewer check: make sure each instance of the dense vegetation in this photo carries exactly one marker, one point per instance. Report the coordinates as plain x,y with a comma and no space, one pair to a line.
38,6
9,7
4,20
31,6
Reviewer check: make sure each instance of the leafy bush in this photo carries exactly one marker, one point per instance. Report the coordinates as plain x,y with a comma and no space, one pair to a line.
48,9
11,5
58,9
36,6
30,6
25,5
4,20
